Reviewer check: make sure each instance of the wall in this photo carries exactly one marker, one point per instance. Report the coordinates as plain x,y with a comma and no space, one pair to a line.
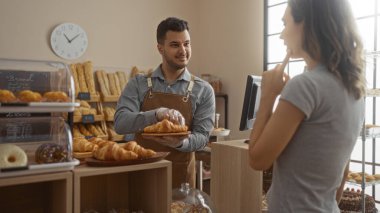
227,36
121,33
232,47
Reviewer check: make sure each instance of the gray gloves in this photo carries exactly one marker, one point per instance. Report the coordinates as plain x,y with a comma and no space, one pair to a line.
170,114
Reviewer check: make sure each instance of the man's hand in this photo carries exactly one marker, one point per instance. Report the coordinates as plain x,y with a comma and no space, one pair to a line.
170,114
171,141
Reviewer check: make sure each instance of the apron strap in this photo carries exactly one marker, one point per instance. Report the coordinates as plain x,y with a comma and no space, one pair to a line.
150,85
189,89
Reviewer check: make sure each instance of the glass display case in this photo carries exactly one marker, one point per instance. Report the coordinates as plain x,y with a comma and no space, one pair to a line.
35,86
45,141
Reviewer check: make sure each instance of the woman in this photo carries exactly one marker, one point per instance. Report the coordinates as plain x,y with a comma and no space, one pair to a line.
309,137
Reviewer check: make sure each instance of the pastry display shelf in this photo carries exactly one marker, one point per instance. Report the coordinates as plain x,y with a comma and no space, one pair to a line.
145,187
50,192
37,107
40,168
113,98
366,184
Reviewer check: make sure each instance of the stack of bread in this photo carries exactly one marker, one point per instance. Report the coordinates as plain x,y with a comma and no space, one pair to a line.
83,130
83,75
358,177
111,84
109,113
84,109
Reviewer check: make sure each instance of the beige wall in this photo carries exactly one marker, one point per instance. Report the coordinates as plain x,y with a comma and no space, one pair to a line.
227,36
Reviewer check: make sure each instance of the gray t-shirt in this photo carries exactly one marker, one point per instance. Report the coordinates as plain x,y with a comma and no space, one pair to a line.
309,171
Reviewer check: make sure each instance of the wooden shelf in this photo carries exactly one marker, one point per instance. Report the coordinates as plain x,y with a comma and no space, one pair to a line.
145,187
50,192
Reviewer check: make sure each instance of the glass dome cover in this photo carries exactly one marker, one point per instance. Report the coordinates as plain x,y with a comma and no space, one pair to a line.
186,199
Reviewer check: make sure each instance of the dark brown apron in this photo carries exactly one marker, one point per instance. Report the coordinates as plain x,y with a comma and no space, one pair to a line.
183,163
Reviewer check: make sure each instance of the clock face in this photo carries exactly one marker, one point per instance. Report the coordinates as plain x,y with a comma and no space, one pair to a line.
68,41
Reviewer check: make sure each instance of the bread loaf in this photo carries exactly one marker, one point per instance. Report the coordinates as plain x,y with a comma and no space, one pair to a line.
106,81
102,83
112,83
89,76
74,73
81,78
117,83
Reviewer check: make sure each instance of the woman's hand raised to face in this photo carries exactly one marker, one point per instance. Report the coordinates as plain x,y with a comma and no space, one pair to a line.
275,79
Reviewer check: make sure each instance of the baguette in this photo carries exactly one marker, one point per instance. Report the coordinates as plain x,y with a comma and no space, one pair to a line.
75,77
106,81
81,78
101,83
117,83
122,81
112,83
89,76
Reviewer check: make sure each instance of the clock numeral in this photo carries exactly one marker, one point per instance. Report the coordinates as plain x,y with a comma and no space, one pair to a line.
59,32
63,28
71,27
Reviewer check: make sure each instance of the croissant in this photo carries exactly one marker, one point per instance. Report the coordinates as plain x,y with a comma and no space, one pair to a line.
165,126
7,96
82,145
29,96
56,96
139,150
112,151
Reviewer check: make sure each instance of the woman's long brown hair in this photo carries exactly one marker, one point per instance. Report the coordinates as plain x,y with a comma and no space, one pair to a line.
331,37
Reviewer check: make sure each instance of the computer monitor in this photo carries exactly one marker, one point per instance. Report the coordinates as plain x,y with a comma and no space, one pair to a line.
251,102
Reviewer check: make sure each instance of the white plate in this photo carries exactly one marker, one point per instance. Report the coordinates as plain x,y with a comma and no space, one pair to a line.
223,132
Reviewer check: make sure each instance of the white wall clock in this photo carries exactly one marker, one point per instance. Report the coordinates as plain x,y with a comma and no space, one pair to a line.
68,41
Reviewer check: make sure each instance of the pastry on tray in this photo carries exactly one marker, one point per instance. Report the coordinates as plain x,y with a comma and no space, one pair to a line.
165,126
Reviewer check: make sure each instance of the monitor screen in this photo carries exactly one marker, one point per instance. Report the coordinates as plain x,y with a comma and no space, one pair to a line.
251,102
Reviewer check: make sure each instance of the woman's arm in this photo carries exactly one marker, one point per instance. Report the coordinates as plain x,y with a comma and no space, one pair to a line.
272,132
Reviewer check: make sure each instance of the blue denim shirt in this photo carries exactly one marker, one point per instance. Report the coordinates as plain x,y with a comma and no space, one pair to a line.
129,119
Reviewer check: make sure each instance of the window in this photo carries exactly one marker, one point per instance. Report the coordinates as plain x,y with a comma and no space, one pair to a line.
367,14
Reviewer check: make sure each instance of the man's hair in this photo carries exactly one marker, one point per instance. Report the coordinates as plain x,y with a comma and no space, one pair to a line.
331,37
170,24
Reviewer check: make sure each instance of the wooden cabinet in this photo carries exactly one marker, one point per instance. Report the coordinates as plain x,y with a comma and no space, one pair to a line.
50,192
235,187
145,187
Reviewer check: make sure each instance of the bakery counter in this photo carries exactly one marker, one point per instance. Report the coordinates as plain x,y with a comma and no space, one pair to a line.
235,187
145,187
51,192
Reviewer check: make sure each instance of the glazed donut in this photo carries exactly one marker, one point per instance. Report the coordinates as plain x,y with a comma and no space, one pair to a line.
7,96
51,153
12,156
56,96
29,96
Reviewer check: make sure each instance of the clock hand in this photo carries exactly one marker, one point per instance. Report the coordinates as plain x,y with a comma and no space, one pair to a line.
67,38
74,38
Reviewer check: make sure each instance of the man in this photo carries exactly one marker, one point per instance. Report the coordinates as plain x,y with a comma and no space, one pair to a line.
172,92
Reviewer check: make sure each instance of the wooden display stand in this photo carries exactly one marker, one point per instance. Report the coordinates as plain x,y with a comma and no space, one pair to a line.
235,187
145,187
51,192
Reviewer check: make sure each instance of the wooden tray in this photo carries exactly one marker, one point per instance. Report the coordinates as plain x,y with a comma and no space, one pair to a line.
166,134
103,163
